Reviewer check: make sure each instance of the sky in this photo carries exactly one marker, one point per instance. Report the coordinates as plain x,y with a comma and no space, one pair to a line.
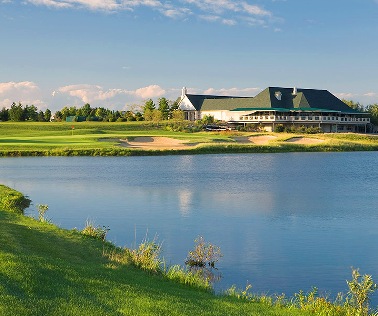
119,53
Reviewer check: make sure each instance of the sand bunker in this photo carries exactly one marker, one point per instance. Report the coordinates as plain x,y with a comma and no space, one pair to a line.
155,143
305,140
258,140
261,140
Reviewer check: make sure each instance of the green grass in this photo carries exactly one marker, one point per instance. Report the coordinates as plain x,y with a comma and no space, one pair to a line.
45,270
87,139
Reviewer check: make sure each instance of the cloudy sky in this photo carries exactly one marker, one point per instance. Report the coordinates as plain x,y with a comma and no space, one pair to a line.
118,53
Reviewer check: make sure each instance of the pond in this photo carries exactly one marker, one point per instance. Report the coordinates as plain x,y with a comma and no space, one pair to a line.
284,222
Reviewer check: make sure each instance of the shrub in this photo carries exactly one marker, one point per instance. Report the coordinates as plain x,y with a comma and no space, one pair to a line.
98,232
279,128
203,254
42,209
360,289
147,256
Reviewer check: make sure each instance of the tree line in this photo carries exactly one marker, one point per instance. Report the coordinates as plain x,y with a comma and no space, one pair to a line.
372,109
164,109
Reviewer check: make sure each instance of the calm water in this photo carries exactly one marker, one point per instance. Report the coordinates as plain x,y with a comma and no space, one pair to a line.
284,222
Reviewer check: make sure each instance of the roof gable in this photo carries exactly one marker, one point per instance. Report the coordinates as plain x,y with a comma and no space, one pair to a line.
300,101
271,97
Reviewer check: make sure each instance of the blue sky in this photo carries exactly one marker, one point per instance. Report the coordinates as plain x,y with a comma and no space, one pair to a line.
118,53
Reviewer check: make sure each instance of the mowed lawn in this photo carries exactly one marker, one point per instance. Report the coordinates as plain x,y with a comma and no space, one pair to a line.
51,135
92,138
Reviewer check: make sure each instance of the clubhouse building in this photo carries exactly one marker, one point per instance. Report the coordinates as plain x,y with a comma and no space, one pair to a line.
276,105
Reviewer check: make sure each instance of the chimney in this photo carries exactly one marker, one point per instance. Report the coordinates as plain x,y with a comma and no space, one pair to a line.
183,93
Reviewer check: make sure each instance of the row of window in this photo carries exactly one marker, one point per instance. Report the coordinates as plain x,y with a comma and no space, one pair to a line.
304,118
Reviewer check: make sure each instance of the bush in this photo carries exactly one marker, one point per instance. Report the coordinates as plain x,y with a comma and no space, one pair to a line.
42,209
147,256
360,289
98,232
203,254
279,128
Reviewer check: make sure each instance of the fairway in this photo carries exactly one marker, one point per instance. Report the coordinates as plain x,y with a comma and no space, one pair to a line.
145,138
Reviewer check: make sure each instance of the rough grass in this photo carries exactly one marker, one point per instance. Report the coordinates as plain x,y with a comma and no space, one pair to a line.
45,270
59,139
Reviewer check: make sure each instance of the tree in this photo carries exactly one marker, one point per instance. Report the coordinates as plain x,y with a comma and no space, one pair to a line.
30,113
47,115
373,110
16,112
4,114
178,115
148,109
100,113
164,108
41,116
139,116
356,106
85,110
174,106
58,116
65,112
157,116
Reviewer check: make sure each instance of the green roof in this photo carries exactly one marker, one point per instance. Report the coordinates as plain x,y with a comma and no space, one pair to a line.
225,104
274,99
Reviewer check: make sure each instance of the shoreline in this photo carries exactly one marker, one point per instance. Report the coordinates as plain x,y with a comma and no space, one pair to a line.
198,149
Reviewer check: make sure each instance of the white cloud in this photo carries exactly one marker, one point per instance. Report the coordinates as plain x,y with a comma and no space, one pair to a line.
152,91
345,95
363,98
210,18
26,92
228,22
89,93
93,93
227,11
101,5
371,94
255,10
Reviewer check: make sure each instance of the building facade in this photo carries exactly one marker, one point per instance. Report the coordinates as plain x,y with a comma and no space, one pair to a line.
277,105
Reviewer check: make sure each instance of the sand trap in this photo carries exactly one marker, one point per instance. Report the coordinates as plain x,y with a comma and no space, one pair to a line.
261,140
155,143
305,140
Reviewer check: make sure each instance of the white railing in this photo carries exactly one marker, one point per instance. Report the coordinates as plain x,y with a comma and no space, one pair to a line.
304,118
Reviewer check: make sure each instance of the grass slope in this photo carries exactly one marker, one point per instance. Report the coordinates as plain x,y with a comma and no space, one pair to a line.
59,139
45,270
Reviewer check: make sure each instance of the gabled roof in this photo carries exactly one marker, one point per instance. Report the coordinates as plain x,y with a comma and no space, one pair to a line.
273,98
301,98
197,100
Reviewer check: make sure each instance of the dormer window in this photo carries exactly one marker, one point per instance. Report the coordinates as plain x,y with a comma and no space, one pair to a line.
278,95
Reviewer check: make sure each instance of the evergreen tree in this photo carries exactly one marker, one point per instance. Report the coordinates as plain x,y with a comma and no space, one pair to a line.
164,108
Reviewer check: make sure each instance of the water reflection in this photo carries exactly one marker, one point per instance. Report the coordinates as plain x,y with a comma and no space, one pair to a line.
185,202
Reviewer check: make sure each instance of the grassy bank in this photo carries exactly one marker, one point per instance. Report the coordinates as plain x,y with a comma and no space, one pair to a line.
45,270
87,139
